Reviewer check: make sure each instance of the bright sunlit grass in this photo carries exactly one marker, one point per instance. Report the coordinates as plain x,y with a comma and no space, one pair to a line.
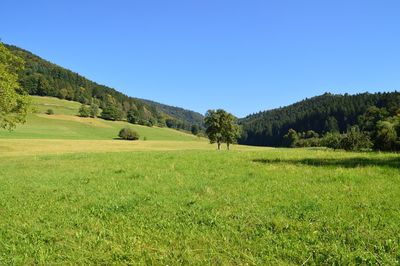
265,206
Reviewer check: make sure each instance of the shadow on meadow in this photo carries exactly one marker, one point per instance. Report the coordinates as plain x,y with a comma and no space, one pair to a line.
339,162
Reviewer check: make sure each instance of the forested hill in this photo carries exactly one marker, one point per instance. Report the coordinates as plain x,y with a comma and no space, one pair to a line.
325,113
44,78
179,113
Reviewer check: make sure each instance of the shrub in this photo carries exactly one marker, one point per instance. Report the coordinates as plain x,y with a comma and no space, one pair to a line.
84,111
50,112
94,110
111,113
386,137
355,140
195,129
309,142
291,138
332,140
128,134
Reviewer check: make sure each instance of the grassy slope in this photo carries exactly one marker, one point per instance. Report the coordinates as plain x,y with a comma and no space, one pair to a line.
66,125
42,104
200,207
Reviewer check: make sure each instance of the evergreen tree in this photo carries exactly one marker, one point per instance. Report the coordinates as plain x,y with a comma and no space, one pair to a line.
195,129
133,116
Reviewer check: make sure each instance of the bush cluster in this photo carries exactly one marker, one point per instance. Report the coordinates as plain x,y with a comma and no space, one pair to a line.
128,134
353,140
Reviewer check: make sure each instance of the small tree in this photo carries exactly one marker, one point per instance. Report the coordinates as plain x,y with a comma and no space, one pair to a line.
214,126
386,136
112,113
195,129
230,130
355,140
94,110
128,134
332,140
311,134
63,93
133,116
84,111
291,138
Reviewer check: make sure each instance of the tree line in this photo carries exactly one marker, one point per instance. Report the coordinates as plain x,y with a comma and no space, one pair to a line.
372,115
377,128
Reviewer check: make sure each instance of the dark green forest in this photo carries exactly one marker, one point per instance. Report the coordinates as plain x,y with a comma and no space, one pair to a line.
374,115
183,117
43,78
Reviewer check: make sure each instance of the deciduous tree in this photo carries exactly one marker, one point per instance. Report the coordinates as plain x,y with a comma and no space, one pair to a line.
13,102
213,125
84,111
221,127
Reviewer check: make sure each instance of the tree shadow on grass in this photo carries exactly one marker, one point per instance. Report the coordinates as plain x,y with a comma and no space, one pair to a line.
340,162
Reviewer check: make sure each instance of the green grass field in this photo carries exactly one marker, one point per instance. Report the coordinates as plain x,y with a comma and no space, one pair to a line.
175,199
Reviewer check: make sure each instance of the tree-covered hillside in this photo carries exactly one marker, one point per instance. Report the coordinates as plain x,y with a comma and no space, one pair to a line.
183,115
325,113
44,78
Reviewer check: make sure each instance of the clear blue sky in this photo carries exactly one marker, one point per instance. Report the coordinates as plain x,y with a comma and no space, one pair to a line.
243,56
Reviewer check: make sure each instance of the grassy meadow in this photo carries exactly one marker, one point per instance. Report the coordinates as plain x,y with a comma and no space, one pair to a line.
74,195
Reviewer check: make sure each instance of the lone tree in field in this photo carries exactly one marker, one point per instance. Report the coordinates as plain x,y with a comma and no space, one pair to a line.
221,127
13,102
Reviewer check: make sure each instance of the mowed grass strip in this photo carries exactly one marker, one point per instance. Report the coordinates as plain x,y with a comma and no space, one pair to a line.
277,206
22,147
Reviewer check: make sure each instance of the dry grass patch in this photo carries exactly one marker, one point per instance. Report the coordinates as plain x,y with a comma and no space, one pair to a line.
85,120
